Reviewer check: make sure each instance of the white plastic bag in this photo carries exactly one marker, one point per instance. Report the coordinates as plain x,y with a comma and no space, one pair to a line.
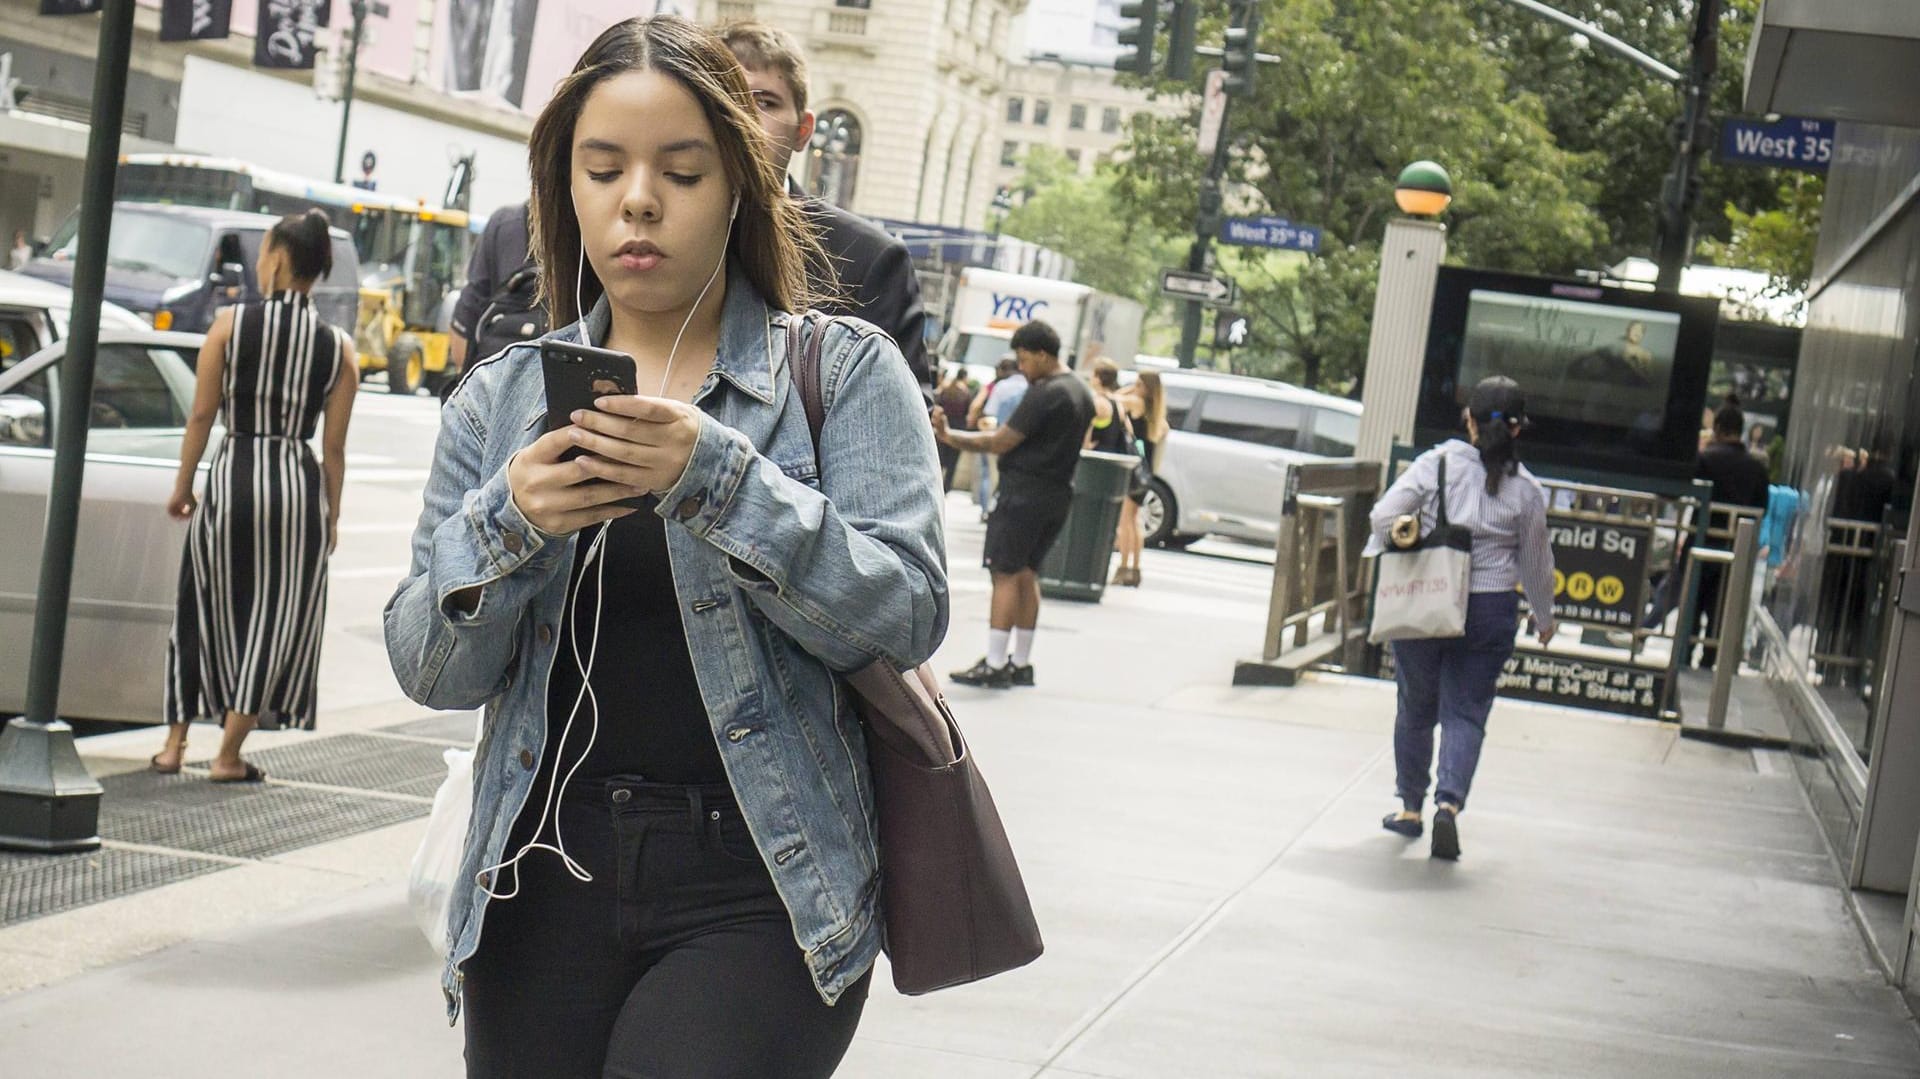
436,865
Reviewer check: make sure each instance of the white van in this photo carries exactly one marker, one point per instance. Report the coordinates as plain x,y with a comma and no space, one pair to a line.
1224,467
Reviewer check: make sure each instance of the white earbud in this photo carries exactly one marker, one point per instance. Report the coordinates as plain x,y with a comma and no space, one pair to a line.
735,212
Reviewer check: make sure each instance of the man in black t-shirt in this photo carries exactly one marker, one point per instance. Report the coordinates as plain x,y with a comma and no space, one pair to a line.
1039,448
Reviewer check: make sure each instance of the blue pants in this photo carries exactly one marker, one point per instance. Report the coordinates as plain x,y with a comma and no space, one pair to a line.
1450,683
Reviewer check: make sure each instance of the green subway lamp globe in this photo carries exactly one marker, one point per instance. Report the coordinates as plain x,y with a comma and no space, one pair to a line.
1424,189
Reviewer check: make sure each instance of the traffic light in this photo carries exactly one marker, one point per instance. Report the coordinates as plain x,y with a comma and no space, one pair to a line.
1239,53
1231,329
1137,38
1181,22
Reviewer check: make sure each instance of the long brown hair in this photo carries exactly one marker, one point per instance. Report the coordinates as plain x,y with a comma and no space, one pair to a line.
1153,402
772,242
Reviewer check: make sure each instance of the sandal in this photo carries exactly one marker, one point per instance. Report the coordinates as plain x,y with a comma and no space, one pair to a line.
1402,825
252,774
154,765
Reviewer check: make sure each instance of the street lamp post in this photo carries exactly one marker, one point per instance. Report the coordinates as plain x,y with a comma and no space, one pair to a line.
360,9
48,801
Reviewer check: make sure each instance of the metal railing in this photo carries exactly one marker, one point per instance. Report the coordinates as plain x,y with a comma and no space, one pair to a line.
1339,494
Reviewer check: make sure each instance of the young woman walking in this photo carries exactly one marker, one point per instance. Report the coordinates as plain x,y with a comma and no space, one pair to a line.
253,580
671,869
1145,403
1450,682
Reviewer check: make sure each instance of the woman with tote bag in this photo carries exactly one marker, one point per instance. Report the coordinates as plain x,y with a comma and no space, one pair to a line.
1449,681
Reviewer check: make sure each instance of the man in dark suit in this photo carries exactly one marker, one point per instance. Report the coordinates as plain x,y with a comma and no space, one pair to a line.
876,278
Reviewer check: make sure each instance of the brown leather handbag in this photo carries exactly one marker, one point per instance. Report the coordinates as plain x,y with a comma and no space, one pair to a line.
955,908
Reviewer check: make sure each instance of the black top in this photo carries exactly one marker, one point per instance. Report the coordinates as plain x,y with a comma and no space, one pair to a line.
502,250
1117,435
1054,416
876,279
1739,478
652,720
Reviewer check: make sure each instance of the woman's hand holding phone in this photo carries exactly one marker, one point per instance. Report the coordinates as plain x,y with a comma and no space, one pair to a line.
561,497
635,443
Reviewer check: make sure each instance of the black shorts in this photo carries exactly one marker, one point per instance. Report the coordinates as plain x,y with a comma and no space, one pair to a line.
1022,529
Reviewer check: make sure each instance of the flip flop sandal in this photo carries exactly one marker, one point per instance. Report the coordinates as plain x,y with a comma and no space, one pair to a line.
251,775
1403,826
153,765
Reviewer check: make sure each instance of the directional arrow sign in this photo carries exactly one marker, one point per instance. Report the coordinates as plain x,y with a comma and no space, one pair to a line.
1207,288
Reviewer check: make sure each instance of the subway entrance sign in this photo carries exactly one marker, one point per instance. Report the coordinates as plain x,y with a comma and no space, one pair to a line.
1599,571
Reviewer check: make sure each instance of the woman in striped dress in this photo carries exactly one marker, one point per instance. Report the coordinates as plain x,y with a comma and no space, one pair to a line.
253,579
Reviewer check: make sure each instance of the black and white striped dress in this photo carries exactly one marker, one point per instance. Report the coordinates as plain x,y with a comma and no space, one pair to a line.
253,579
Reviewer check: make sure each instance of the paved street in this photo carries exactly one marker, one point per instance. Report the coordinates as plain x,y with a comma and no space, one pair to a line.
1206,861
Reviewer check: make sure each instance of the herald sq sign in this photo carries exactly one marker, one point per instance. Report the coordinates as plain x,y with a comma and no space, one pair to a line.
1599,571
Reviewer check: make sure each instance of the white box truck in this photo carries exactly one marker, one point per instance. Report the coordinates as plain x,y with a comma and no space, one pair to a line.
989,305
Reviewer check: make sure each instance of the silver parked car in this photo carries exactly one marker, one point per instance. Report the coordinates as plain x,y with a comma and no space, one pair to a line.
1232,439
127,567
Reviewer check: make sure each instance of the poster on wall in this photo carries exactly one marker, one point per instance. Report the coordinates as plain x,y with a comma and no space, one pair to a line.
495,50
284,37
195,20
1588,362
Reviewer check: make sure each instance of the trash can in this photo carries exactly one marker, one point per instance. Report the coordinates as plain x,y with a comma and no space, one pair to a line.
1076,567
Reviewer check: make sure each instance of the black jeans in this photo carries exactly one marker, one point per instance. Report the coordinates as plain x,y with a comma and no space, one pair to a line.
676,962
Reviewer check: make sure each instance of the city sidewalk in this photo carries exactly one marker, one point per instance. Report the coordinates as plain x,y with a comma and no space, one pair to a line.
1208,867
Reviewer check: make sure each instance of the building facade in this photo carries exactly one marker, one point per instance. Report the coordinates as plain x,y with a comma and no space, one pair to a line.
1840,636
906,99
1075,107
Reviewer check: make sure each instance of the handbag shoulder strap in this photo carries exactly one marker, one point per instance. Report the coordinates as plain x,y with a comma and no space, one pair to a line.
804,334
1440,495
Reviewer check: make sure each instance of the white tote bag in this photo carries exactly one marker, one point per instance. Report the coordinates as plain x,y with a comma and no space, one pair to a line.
1420,592
436,864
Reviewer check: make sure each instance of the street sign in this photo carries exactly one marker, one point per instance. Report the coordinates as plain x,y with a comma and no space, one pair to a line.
1213,111
1787,143
1231,329
1208,288
1275,232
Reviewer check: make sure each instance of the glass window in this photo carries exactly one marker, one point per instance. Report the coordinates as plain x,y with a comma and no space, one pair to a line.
1251,419
1077,117
1016,109
1010,154
129,391
1179,403
148,242
17,340
1110,120
833,157
1042,111
861,4
1335,433
1073,155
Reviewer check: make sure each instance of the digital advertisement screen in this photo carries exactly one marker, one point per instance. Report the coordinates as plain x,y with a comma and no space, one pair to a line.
1615,378
1578,361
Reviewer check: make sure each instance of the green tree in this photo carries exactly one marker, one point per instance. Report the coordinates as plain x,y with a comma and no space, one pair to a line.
1362,88
1078,216
1778,241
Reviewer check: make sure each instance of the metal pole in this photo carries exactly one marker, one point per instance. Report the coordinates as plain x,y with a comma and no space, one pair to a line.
1601,38
346,97
1731,640
1681,191
48,801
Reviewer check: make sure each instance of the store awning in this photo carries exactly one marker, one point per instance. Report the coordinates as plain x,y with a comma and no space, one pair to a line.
26,132
1847,60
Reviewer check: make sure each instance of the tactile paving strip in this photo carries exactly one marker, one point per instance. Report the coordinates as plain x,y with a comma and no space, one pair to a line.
365,762
242,820
36,885
454,727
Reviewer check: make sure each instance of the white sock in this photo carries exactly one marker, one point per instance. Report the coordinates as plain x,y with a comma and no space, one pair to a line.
1022,646
997,647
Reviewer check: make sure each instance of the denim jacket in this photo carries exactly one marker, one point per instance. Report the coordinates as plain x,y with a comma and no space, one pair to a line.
789,572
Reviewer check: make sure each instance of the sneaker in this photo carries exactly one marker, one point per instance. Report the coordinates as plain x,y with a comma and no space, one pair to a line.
985,674
1021,675
1446,833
